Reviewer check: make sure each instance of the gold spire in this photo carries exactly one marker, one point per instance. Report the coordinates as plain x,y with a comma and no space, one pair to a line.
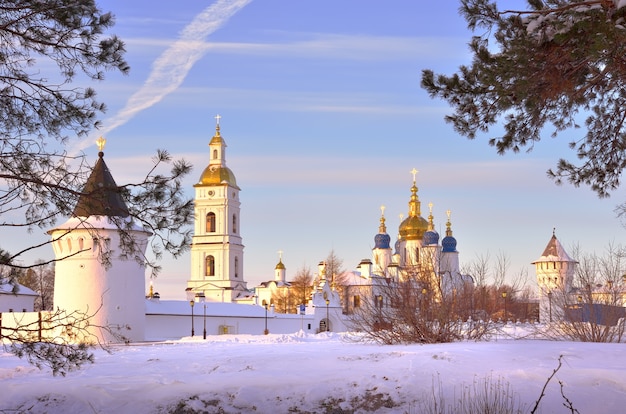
448,224
414,203
431,224
382,228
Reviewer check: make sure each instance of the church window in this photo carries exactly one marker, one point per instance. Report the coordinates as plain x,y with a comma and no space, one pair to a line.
236,266
356,301
210,222
234,223
60,244
81,244
214,154
264,302
210,266
69,244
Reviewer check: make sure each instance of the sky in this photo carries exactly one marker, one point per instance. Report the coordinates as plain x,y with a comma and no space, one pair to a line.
311,373
324,118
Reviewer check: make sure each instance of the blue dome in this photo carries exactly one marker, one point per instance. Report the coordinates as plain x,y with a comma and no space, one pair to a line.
449,244
430,237
381,241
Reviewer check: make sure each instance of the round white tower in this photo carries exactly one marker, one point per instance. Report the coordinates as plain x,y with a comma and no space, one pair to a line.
93,275
555,274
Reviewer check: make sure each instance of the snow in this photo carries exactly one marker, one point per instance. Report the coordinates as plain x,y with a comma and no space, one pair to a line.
286,373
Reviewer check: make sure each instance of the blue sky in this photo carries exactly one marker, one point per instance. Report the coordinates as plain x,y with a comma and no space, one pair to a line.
324,119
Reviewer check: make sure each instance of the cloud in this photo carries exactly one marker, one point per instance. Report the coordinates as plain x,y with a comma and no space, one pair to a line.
171,68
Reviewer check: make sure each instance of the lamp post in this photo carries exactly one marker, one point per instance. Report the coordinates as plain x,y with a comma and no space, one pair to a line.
505,312
266,331
192,302
327,319
191,298
550,304
202,298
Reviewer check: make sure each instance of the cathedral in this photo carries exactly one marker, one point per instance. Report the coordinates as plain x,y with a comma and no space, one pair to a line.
418,254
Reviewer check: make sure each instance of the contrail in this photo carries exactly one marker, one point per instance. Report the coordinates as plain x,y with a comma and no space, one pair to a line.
171,68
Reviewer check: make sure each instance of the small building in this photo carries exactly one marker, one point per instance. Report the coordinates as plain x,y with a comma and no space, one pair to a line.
16,298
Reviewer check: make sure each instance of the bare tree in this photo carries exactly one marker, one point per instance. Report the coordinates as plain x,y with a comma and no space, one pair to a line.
302,285
423,305
41,280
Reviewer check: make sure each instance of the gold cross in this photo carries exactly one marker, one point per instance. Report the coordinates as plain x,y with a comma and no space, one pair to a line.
217,118
414,172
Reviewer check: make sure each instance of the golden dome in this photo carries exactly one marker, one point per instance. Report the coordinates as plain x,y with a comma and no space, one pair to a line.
217,175
413,228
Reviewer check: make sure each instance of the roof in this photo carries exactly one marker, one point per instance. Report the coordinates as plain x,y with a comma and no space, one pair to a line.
101,196
7,288
554,252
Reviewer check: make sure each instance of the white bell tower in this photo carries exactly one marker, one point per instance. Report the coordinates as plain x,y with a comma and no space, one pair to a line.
217,248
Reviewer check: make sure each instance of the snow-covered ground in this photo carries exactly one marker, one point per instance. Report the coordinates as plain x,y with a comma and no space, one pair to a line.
321,373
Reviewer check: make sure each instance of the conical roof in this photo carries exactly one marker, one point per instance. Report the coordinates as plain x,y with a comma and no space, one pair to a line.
554,252
101,196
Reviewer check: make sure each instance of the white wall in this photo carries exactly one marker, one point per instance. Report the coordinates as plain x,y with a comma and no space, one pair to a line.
167,320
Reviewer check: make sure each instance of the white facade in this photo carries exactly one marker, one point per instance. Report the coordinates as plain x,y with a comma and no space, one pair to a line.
217,270
22,300
111,295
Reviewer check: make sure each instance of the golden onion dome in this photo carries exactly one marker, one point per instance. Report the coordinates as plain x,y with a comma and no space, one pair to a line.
217,175
280,265
413,228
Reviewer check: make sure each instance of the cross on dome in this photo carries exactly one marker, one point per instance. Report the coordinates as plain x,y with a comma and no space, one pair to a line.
280,255
414,172
217,119
382,210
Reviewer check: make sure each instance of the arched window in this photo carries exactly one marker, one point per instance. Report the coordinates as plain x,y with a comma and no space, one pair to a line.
210,266
69,244
234,223
81,244
214,154
210,222
236,266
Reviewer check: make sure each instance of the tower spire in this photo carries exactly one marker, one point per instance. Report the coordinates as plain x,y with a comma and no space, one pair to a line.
414,202
448,224
382,228
431,224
